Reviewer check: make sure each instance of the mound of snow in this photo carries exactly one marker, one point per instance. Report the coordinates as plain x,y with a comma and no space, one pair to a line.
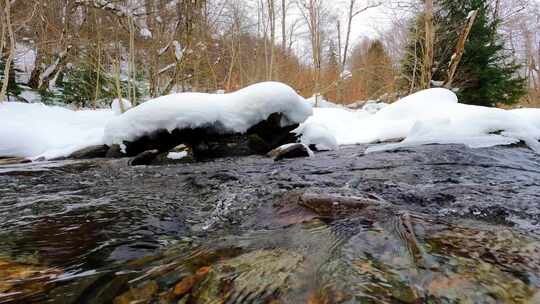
229,113
428,117
36,130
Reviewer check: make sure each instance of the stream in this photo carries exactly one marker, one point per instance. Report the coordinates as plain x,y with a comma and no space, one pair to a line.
430,224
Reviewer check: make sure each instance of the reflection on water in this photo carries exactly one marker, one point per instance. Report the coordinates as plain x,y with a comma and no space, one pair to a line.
326,230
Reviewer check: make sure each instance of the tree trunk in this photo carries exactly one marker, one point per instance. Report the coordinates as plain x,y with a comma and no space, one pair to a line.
460,48
428,54
272,22
350,17
11,55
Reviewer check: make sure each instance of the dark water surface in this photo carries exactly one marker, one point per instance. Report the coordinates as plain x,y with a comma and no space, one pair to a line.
445,224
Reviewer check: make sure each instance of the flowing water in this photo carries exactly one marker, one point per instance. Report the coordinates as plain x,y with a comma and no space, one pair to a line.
433,224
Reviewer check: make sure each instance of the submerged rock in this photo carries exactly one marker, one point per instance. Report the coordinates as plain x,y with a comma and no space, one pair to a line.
255,277
290,151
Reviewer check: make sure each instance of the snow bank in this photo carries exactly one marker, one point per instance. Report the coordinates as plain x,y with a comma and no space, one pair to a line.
229,113
428,117
37,130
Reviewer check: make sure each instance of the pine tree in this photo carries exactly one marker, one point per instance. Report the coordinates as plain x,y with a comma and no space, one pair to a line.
78,86
13,88
487,74
378,70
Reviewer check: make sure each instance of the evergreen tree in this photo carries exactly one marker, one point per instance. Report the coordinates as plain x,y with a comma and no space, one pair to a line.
487,74
379,73
78,86
411,65
13,88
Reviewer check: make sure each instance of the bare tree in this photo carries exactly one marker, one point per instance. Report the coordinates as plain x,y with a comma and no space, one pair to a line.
311,10
272,23
11,52
352,13
427,70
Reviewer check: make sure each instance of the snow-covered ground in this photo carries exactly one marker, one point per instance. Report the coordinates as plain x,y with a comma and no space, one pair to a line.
37,130
429,117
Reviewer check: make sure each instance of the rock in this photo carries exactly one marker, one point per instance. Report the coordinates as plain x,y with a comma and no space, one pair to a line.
253,277
144,158
14,161
23,278
290,151
179,155
97,151
297,207
210,142
115,151
185,286
141,294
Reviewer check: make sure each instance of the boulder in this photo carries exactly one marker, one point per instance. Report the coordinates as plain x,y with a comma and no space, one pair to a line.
178,155
210,142
90,152
290,151
144,158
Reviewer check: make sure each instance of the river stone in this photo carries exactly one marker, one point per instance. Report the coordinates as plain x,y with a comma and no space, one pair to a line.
180,154
96,151
144,158
210,142
254,277
290,151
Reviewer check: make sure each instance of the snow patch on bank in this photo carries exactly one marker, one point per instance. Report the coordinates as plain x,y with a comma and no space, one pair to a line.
36,130
428,117
229,113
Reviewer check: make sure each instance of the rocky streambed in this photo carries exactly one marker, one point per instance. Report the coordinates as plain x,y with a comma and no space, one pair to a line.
432,224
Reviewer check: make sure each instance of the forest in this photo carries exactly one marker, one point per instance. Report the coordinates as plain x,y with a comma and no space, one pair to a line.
88,52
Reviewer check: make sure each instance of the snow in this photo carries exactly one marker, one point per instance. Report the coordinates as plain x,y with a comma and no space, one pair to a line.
119,107
318,101
145,32
177,155
374,107
230,113
314,133
36,130
178,51
432,116
30,96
